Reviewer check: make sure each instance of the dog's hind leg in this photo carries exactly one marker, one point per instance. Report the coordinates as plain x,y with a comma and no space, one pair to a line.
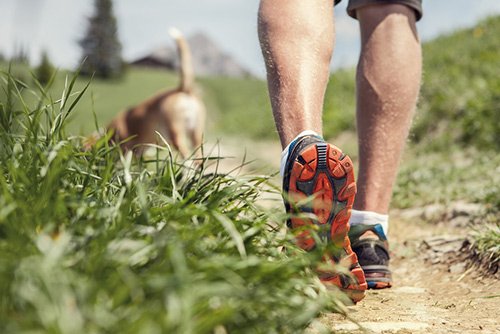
195,132
177,140
196,137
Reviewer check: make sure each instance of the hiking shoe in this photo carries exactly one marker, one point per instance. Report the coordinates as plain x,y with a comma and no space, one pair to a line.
319,180
373,254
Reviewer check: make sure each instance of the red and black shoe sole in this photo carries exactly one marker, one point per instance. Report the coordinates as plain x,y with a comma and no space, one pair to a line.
322,177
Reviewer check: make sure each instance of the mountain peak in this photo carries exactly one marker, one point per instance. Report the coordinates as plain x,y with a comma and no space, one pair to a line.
208,58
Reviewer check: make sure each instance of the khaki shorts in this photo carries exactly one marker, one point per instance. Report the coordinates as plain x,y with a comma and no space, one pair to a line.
355,4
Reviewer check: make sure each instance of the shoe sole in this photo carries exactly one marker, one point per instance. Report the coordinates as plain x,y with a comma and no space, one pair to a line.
322,172
355,292
378,276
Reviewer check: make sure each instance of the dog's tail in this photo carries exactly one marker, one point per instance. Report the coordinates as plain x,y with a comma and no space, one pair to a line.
186,68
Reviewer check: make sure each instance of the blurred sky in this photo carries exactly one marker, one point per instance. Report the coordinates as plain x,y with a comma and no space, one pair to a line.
57,25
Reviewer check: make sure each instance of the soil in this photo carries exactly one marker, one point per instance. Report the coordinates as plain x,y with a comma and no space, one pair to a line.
432,292
426,297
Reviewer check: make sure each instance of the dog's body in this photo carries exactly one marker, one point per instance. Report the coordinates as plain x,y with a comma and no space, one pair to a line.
177,114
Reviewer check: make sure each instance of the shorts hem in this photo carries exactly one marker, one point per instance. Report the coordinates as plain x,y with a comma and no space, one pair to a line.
353,5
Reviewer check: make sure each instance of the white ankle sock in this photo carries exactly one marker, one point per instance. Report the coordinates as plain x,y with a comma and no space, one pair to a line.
284,154
369,218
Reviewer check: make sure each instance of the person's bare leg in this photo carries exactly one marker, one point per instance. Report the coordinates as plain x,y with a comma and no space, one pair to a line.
388,81
297,38
297,43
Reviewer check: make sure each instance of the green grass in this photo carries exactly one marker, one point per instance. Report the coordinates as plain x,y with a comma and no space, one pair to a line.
97,242
239,107
340,104
235,106
107,245
105,97
460,96
470,176
445,177
486,243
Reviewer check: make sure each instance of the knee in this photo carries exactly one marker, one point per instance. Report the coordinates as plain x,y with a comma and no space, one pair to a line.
391,18
385,11
300,24
297,18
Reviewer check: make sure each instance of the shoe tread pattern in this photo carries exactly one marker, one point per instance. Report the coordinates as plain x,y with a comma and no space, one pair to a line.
321,182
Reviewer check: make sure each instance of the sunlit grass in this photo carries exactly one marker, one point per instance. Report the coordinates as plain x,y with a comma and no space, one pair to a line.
95,241
487,242
445,177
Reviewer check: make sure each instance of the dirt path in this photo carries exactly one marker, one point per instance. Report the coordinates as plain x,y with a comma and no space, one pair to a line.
426,297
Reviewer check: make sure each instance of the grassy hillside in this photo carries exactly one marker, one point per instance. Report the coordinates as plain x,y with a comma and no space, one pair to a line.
459,103
460,98
235,106
105,97
238,107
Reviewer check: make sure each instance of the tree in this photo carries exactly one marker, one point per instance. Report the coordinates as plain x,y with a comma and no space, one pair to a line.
20,55
45,70
101,49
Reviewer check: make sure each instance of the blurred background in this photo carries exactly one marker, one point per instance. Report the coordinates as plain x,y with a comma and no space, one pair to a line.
56,26
460,51
91,245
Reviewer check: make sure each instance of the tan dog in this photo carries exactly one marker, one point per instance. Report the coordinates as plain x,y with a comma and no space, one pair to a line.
178,114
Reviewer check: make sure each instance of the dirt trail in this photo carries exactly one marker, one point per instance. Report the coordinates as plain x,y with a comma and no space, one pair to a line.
426,297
